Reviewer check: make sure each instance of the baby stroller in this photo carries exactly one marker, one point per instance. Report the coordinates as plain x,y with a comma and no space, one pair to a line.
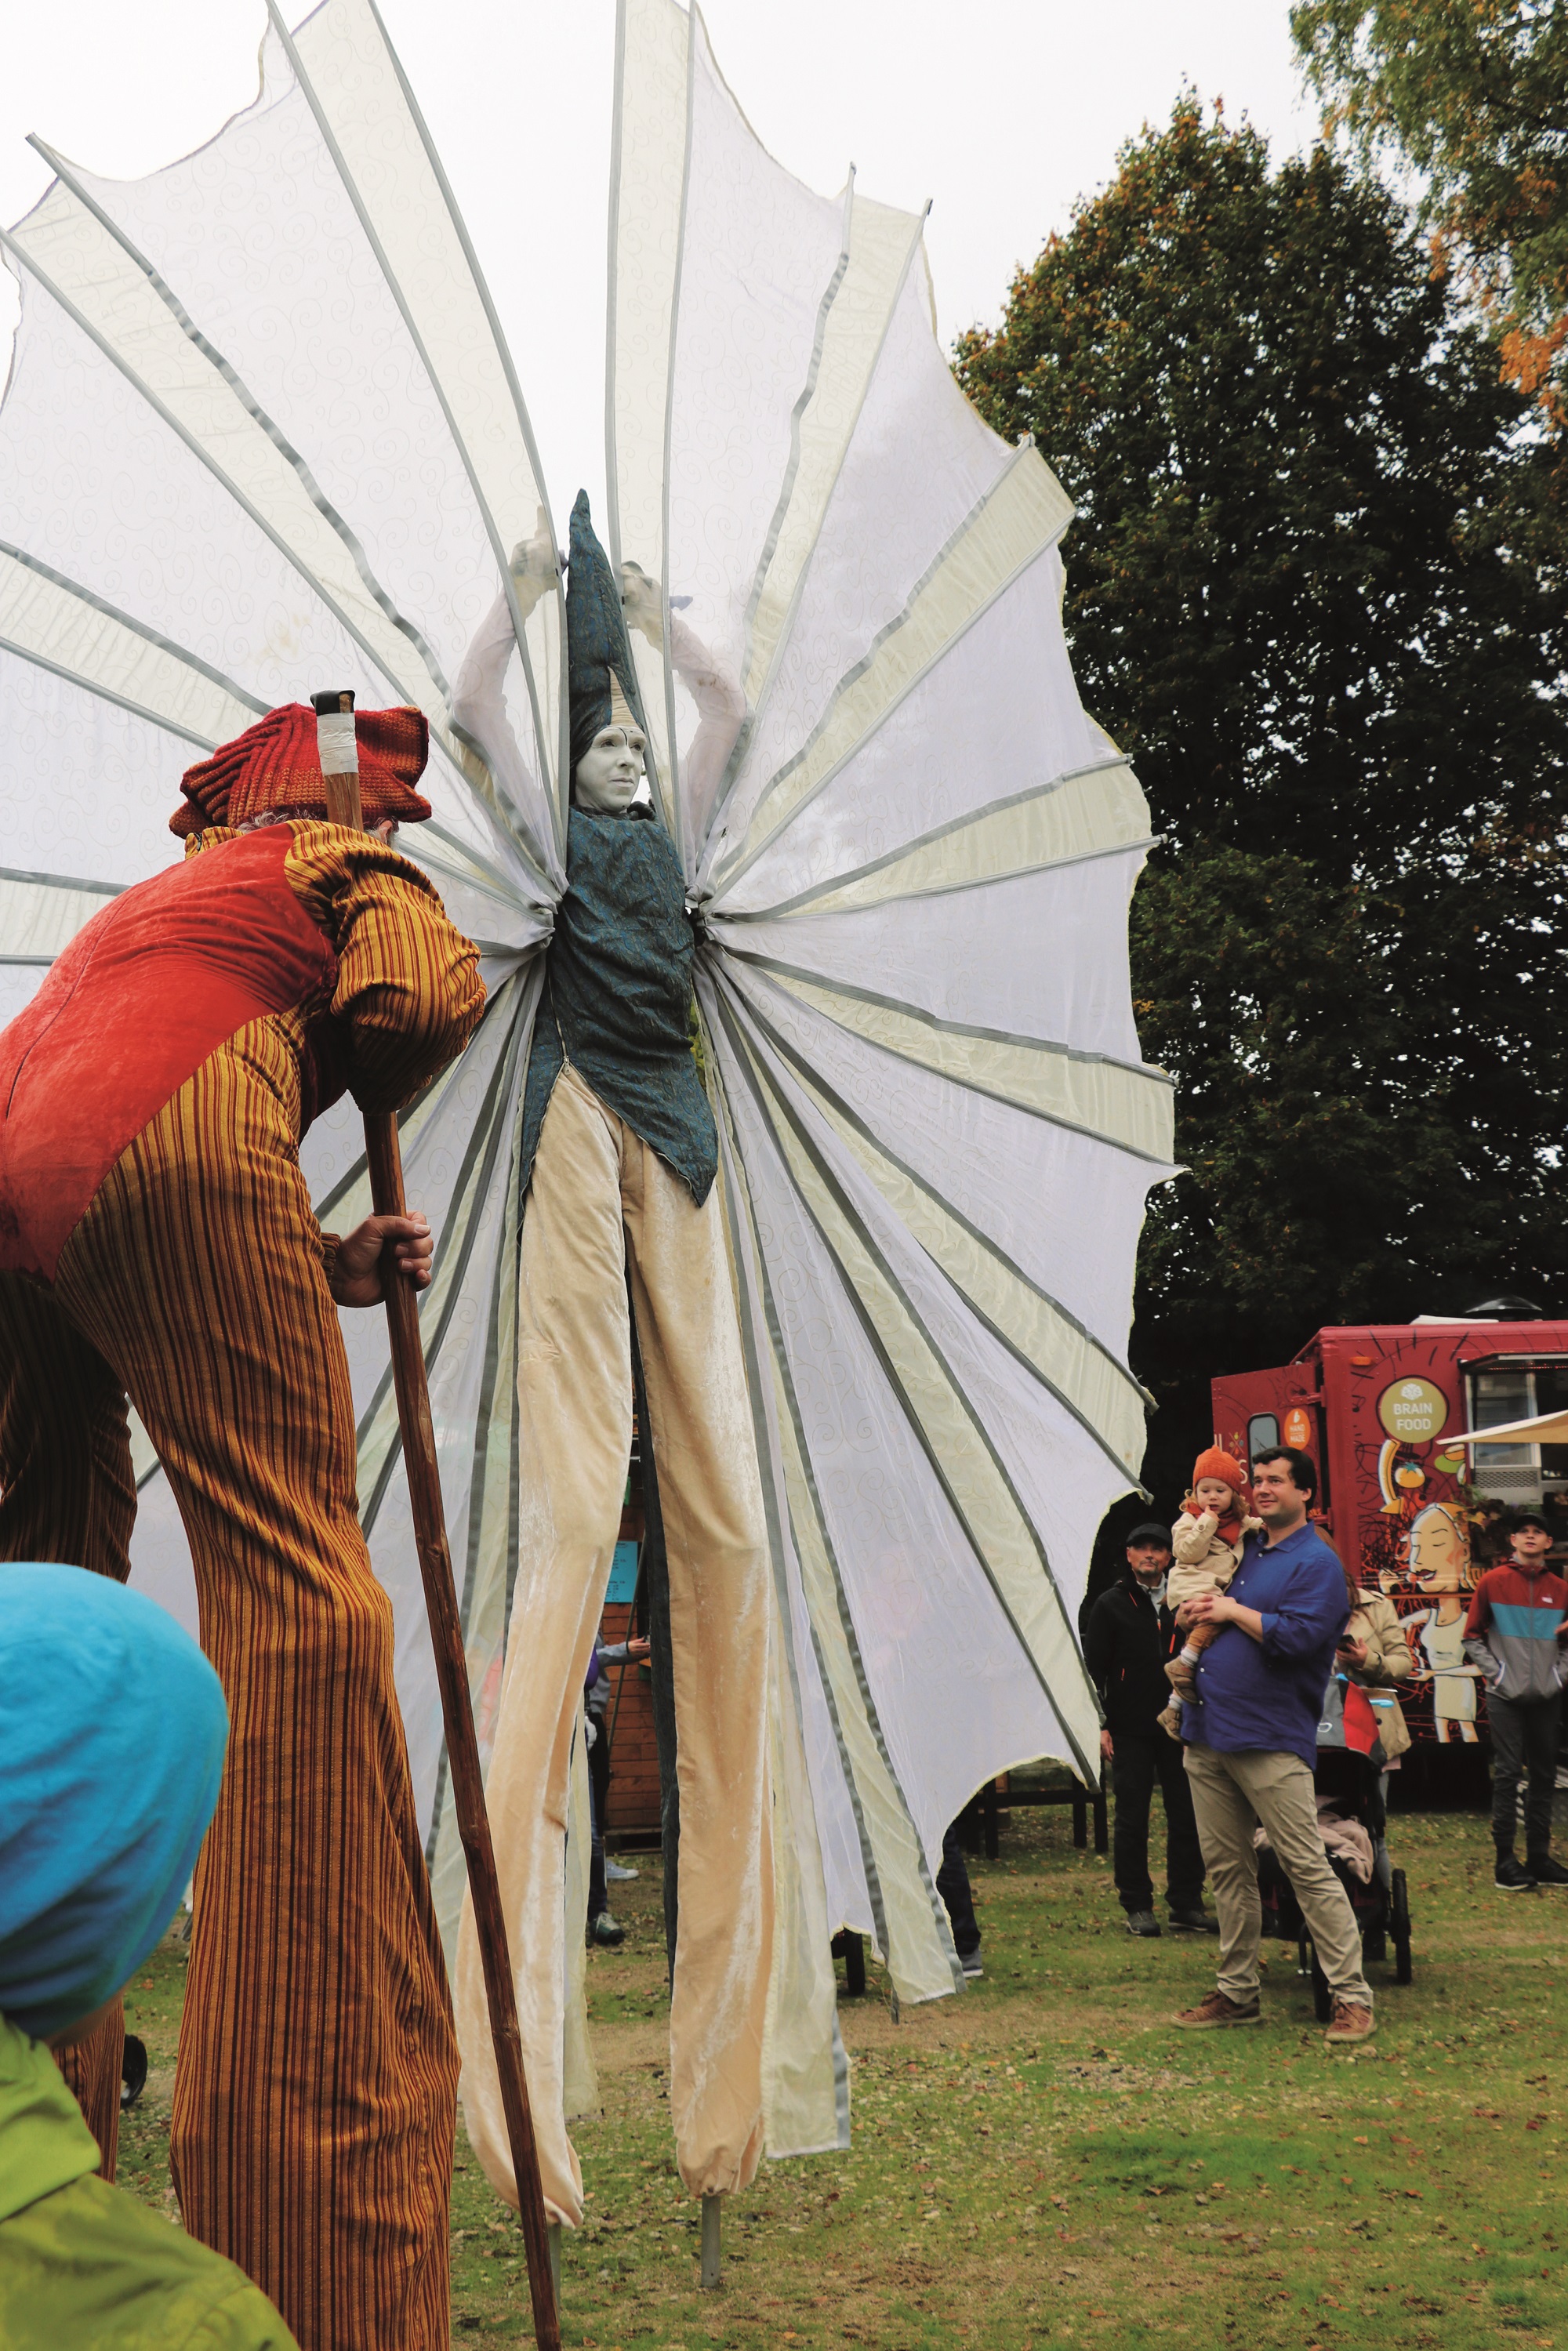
1348,1774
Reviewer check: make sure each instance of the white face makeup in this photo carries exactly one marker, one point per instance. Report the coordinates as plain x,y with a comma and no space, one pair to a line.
609,770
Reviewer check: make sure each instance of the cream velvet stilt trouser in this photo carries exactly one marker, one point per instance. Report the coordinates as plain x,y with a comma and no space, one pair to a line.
603,1202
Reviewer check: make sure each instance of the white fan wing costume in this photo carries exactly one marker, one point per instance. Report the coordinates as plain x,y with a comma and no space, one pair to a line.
263,435
936,1131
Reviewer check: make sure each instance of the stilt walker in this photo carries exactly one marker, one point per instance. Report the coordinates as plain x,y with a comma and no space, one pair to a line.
621,1221
159,1244
338,750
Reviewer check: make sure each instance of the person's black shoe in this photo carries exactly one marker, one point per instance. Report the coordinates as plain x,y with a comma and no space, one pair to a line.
1143,1923
133,2071
1194,1921
1510,1878
1545,1871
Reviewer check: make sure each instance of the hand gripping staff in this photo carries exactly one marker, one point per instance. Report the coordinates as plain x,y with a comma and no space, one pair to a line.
340,766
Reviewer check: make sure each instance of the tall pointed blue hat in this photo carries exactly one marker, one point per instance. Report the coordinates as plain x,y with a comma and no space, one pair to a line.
600,674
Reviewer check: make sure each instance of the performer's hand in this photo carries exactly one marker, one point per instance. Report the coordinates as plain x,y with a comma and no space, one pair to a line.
359,1269
637,1646
533,565
642,602
1106,1750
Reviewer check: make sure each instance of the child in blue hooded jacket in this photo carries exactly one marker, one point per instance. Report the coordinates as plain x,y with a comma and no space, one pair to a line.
113,1728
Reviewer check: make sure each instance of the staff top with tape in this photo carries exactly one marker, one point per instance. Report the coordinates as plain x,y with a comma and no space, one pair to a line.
277,765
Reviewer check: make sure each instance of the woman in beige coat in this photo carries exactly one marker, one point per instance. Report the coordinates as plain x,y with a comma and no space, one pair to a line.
1377,1655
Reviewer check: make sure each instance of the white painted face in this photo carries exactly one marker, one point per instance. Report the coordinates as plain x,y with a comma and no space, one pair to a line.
609,770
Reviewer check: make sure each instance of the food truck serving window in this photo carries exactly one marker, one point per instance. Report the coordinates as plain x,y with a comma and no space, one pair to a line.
1518,1390
1497,1398
1262,1433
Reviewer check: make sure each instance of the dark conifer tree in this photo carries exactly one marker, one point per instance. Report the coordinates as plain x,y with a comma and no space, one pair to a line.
1306,592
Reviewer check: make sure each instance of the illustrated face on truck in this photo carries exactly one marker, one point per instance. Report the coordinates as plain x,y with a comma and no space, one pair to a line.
1439,1553
1440,1567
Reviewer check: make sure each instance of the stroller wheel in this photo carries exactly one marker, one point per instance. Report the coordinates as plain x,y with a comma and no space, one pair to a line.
1399,1926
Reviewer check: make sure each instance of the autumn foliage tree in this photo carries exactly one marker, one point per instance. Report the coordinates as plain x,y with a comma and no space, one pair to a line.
1296,595
1474,94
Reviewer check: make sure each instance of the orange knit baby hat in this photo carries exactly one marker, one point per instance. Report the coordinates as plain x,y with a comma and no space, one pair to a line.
1216,1464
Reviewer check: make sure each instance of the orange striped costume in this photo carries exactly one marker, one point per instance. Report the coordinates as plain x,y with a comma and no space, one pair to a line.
314,2094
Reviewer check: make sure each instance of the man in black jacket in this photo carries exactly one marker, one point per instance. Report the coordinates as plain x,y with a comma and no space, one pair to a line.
1126,1640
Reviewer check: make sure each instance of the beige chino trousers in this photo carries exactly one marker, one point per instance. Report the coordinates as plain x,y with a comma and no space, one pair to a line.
602,1203
1231,1793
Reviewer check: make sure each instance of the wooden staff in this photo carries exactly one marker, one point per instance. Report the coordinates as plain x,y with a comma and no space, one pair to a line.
340,766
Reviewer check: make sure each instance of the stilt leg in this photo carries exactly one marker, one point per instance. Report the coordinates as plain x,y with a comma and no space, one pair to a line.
555,2258
713,2225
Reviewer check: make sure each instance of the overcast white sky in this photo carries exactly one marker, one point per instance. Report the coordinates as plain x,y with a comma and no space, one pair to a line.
1002,112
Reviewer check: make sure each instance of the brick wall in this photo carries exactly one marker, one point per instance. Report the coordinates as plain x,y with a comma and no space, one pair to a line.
634,1757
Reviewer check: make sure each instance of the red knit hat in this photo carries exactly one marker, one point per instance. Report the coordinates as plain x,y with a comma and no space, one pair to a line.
274,765
1224,1466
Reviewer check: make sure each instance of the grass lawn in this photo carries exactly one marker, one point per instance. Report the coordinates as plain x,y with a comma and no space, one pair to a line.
1043,2161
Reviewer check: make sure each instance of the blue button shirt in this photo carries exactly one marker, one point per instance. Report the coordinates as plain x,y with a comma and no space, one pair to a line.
1270,1693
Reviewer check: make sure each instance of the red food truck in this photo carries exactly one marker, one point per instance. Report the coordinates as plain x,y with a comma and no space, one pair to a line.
1378,1407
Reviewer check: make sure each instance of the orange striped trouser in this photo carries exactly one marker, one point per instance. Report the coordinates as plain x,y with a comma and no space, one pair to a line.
315,2096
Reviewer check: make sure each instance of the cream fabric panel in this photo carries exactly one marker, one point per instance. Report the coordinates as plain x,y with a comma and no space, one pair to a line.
1025,1183
649,172
355,84
880,247
647,180
1102,1392
805,2075
916,464
842,1855
993,720
90,272
990,1514
1125,1104
1017,521
896,1653
1079,817
915,1947
50,620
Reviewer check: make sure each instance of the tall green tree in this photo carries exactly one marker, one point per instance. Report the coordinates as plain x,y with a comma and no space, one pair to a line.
1474,93
1296,595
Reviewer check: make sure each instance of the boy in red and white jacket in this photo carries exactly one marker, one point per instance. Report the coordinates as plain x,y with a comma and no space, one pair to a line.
1515,1633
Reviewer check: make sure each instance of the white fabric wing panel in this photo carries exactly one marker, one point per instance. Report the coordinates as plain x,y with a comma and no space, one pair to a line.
938,1129
211,510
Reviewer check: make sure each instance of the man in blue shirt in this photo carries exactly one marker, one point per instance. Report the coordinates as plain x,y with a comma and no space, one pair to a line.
1251,1744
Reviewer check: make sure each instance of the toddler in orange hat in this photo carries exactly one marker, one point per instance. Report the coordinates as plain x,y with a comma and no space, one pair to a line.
1205,1548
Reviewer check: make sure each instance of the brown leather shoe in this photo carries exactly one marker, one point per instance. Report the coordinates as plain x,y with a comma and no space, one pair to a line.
1350,2023
1218,2013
